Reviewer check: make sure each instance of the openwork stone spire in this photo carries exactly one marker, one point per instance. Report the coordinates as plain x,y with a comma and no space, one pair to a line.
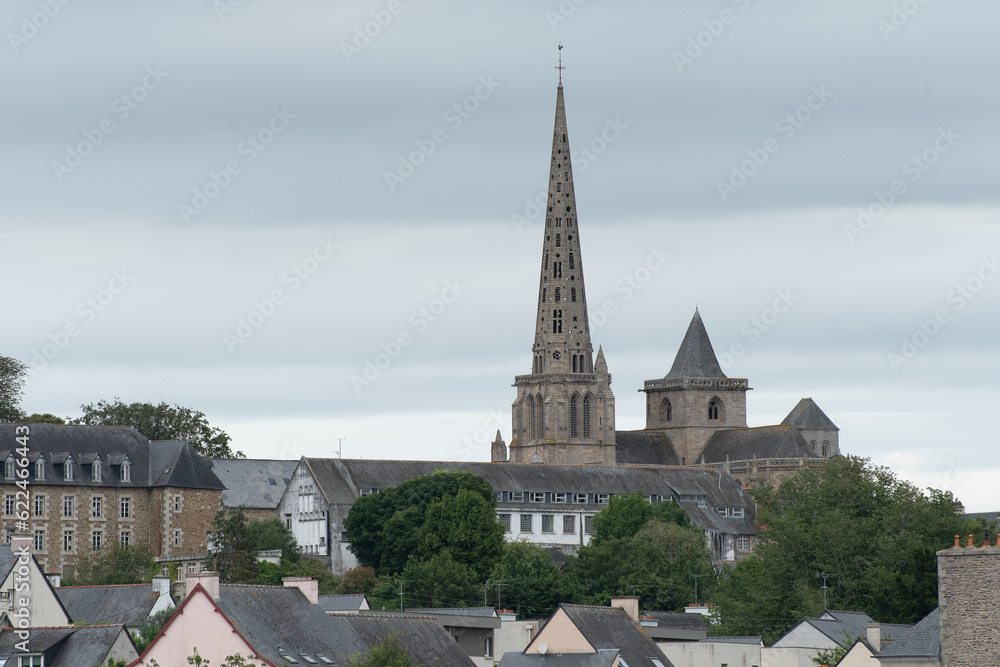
564,412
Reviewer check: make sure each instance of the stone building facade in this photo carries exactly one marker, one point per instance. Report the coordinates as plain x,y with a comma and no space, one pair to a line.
969,604
90,485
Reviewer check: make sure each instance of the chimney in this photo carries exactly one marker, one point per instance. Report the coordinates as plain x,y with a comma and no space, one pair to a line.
308,586
161,585
874,637
208,580
629,604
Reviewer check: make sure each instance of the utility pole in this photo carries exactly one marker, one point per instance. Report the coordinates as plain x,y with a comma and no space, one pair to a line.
499,583
696,577
401,582
824,586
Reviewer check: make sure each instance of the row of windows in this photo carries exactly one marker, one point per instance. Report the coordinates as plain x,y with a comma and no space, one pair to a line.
527,523
69,539
558,291
69,506
96,473
558,497
579,419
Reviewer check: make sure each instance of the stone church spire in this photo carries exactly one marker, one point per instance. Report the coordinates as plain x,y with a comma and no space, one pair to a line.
564,411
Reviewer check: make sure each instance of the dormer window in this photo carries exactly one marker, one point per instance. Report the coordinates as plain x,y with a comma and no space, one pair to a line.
40,468
8,467
95,473
126,470
68,470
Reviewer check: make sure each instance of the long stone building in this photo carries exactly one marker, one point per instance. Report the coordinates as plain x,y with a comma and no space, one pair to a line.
550,505
93,485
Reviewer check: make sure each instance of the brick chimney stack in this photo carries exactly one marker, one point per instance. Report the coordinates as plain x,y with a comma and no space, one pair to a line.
308,586
208,580
629,604
874,635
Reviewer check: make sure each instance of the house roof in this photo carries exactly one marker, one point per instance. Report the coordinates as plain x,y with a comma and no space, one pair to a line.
520,659
922,640
8,559
782,441
115,605
341,602
612,628
80,646
160,463
843,627
696,358
280,623
478,612
253,483
644,448
754,641
676,619
807,415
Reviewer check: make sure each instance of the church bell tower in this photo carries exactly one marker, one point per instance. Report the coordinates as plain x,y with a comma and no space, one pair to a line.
565,411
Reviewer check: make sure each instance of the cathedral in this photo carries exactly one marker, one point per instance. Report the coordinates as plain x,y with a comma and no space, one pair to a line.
564,411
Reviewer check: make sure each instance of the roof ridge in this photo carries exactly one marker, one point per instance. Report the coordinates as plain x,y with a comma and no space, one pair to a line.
104,586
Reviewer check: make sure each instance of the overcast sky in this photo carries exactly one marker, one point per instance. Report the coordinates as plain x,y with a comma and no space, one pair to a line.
237,206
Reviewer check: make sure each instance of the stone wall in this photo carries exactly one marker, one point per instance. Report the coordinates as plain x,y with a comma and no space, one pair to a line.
969,605
183,520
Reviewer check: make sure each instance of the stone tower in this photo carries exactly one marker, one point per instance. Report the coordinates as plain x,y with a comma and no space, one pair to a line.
695,399
564,411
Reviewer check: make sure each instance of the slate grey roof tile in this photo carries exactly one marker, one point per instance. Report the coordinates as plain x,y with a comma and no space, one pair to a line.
782,441
108,605
922,640
253,483
696,358
806,414
644,448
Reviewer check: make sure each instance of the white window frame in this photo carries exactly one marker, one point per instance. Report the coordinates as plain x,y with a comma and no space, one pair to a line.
8,468
95,470
68,470
126,470
40,469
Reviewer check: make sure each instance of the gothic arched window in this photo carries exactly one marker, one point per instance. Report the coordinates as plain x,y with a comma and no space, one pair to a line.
558,295
826,448
558,240
532,420
586,416
541,419
666,410
573,407
713,409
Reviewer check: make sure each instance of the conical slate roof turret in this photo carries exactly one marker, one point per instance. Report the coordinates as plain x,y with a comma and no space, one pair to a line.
696,358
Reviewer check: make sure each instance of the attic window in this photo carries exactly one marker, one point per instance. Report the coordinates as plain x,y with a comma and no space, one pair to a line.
126,471
8,469
40,468
96,470
68,470
270,480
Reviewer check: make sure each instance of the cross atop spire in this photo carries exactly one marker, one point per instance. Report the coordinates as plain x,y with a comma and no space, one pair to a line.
560,65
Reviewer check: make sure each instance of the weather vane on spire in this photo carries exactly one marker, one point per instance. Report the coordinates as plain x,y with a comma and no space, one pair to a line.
560,65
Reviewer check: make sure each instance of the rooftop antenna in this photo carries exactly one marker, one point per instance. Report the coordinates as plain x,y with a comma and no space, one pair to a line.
824,586
340,447
560,65
696,577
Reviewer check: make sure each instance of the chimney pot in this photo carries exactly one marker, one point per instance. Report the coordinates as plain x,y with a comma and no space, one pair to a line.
970,540
956,540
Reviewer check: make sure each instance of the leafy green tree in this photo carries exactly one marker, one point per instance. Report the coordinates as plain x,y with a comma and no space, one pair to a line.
44,418
113,564
878,533
656,563
531,583
625,516
440,581
151,627
161,422
386,528
272,534
233,550
358,580
12,375
466,525
386,652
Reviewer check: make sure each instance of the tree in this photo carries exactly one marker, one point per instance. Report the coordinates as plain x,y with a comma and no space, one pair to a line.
531,581
625,516
233,552
161,422
12,375
150,627
44,418
113,564
386,652
386,528
441,581
358,580
656,564
272,534
876,533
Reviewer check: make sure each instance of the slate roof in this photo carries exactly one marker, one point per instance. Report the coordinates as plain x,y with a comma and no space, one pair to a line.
612,628
340,479
478,612
108,605
676,619
843,627
282,625
253,483
754,641
520,659
66,647
695,358
922,640
644,448
160,463
782,441
807,415
341,602
7,561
